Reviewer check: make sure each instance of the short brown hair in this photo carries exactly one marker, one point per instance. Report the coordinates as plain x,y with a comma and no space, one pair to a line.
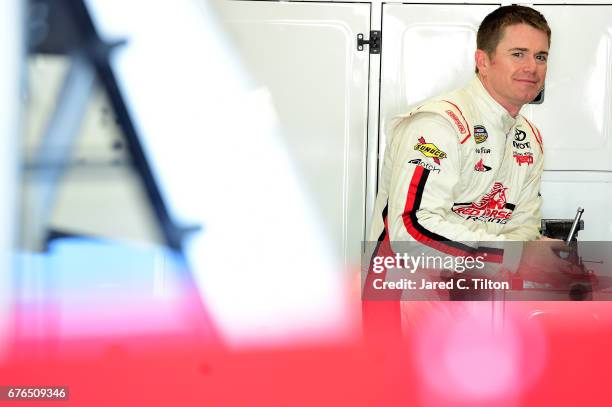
492,27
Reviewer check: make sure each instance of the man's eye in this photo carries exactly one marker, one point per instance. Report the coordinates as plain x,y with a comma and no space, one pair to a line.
517,54
542,58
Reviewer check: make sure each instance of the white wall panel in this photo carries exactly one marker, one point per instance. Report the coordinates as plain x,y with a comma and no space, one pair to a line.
564,191
575,118
305,53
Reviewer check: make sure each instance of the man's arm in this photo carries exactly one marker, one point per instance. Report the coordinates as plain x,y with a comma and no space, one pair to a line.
526,218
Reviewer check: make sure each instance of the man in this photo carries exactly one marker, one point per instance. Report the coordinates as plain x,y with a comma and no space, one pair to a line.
466,166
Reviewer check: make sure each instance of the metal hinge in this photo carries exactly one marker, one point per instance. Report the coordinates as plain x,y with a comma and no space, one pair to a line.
373,42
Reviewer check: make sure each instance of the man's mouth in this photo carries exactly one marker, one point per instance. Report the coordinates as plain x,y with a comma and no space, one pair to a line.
529,81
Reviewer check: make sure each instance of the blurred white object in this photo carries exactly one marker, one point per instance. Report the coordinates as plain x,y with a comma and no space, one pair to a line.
265,267
12,52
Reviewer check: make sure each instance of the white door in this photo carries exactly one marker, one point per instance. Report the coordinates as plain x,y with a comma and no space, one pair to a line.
306,55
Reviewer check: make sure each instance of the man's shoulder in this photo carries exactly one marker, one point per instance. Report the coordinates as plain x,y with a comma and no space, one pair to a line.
451,107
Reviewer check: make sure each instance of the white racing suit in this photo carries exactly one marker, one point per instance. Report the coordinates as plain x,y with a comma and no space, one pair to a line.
460,169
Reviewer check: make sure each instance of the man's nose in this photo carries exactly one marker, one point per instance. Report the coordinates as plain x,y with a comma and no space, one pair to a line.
530,65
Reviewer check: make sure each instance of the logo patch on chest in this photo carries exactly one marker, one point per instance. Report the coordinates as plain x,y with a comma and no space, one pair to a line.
481,167
519,138
424,164
492,207
523,158
480,134
430,150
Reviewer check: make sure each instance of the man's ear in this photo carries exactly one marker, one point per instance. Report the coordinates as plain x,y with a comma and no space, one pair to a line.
482,60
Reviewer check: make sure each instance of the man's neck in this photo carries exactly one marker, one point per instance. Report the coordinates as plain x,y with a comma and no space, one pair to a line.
512,109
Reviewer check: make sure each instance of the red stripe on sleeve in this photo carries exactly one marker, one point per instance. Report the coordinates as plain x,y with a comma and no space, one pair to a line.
411,197
536,134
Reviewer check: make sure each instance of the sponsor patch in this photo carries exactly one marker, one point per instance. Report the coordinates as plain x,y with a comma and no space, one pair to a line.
519,136
424,164
480,134
482,150
523,158
430,150
492,207
481,167
454,117
521,146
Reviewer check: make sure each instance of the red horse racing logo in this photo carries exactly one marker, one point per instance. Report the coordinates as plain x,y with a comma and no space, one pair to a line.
492,207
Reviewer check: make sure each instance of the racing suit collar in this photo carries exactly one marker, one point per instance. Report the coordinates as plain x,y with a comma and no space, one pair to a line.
498,115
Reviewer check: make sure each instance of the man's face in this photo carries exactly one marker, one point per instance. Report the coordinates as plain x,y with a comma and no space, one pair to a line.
515,73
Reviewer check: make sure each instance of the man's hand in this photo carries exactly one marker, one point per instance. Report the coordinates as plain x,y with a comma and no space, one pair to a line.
541,263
